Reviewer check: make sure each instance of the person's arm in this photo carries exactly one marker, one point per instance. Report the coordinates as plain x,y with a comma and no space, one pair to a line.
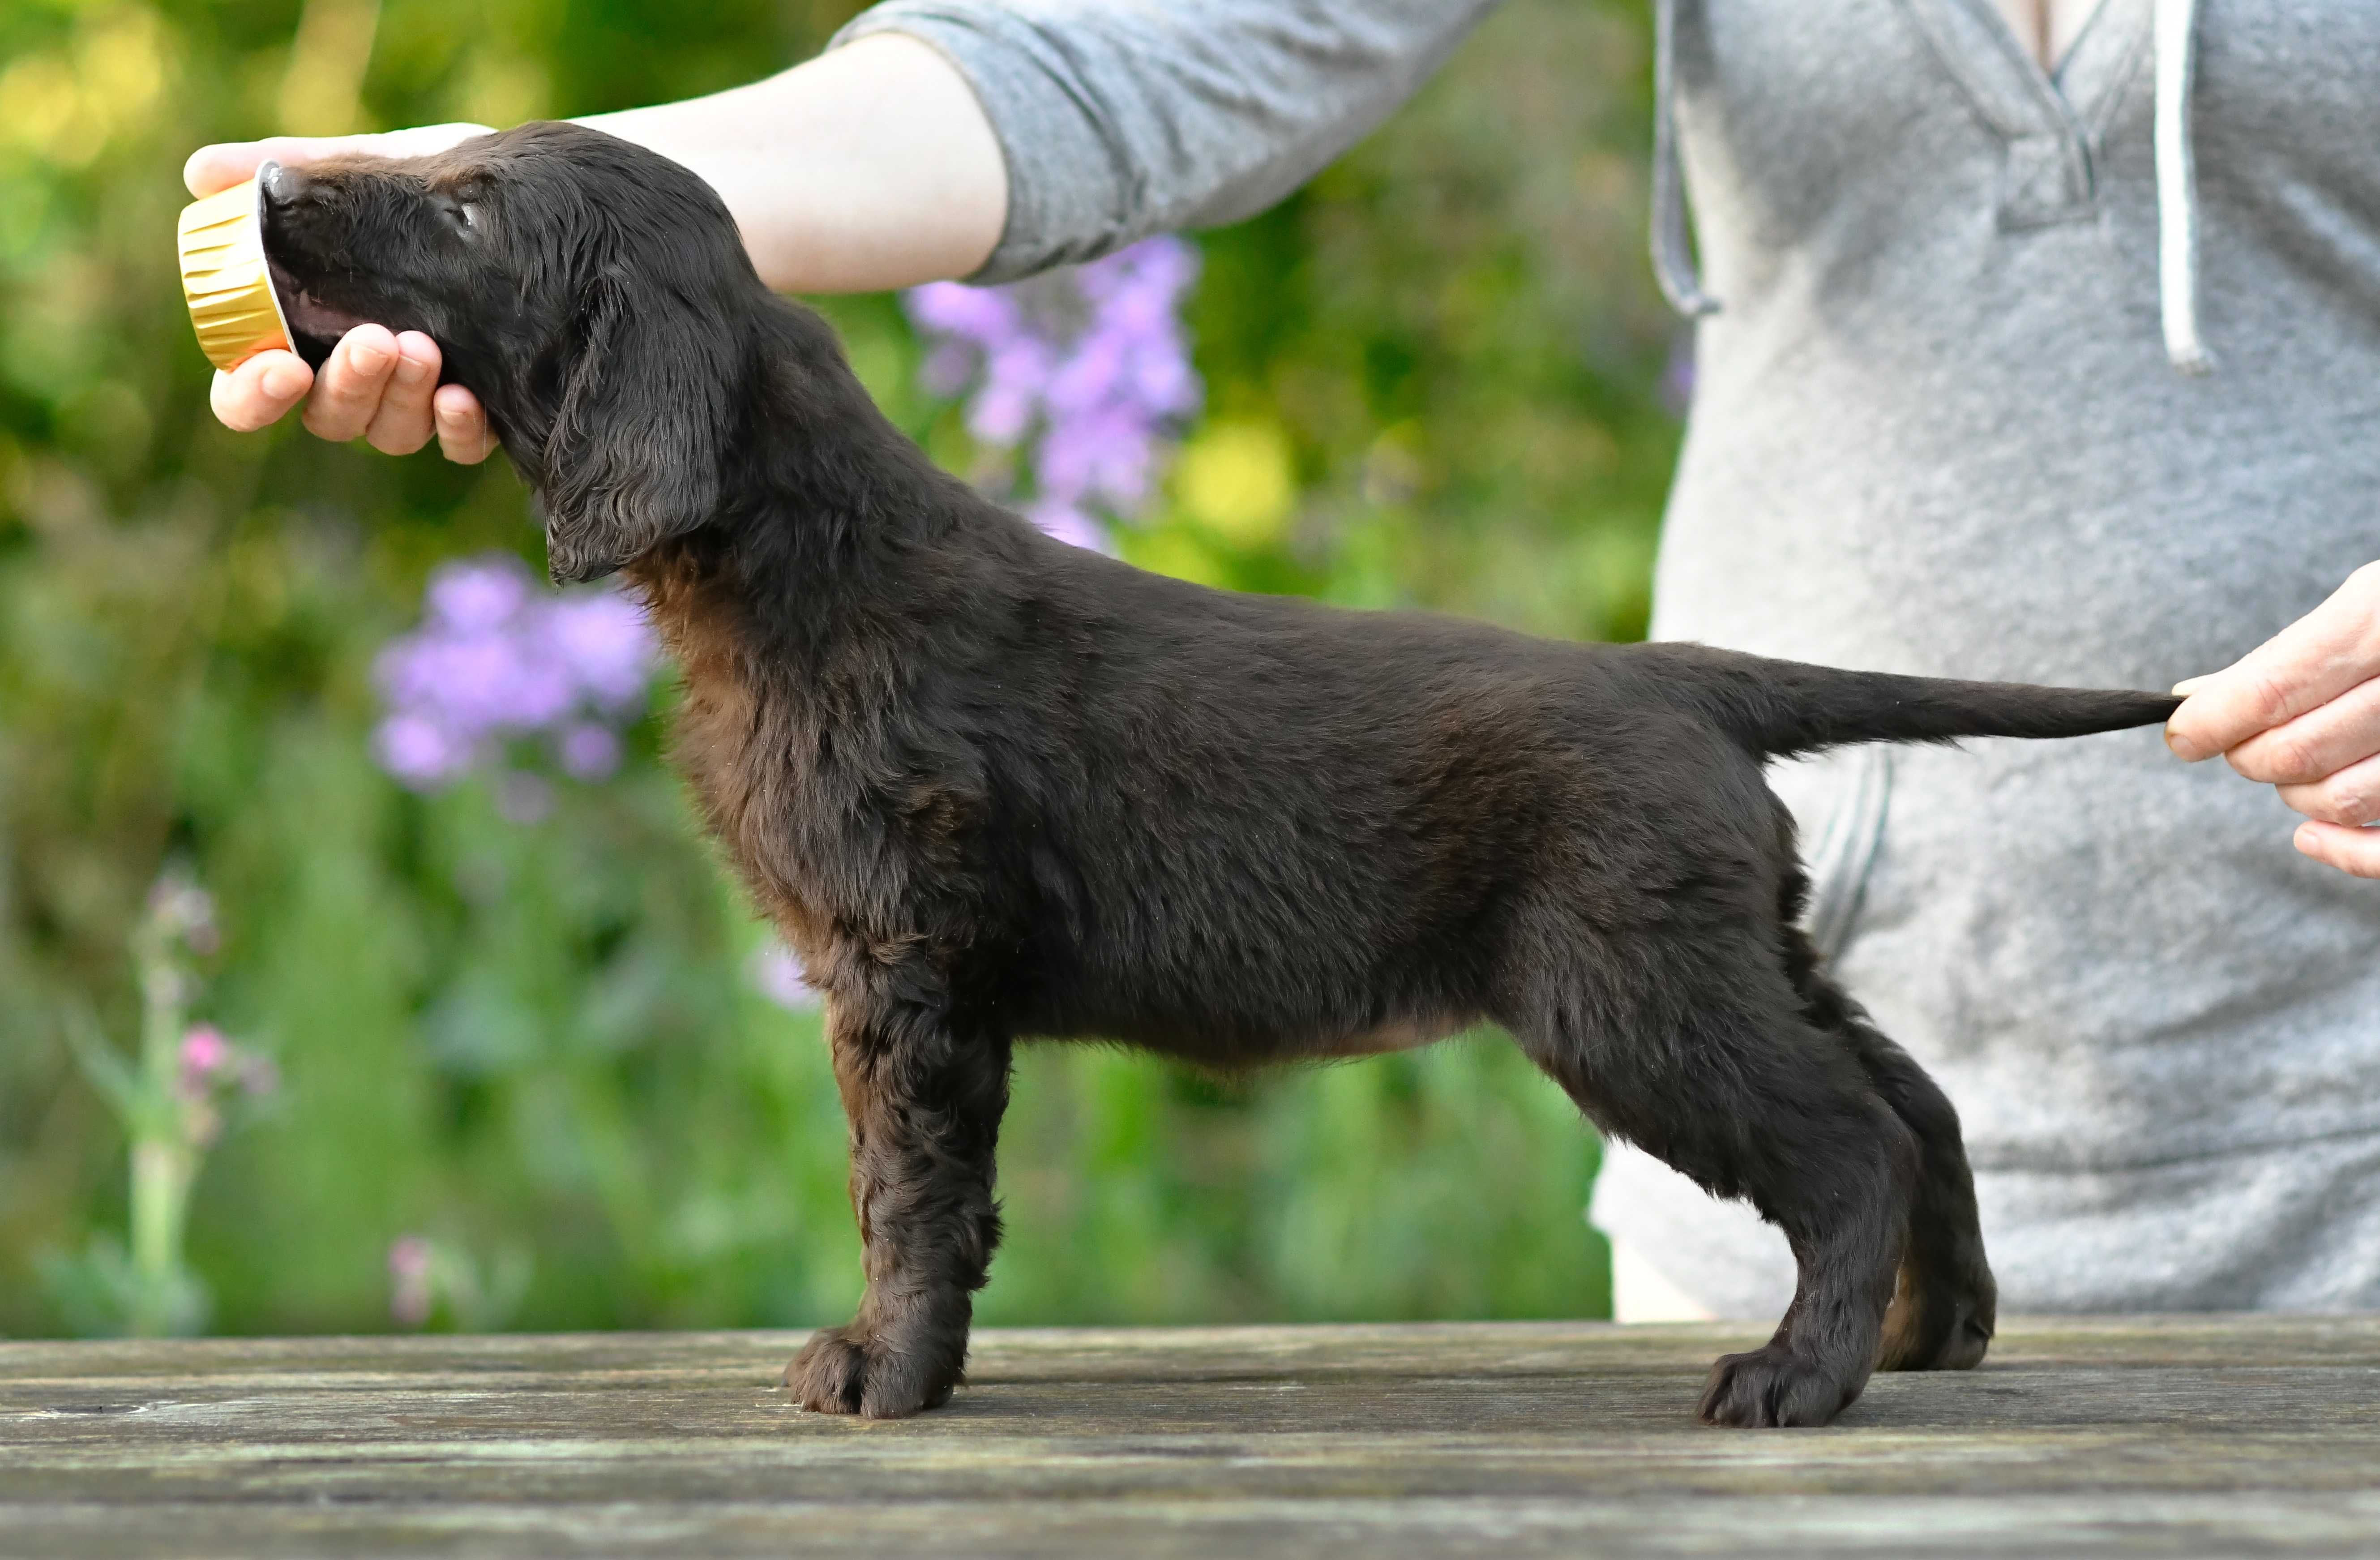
2301,714
987,139
871,167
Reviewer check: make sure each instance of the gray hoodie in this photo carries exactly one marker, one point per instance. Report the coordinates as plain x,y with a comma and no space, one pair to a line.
1951,417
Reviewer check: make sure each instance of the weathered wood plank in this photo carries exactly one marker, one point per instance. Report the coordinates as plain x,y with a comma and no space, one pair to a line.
2171,1435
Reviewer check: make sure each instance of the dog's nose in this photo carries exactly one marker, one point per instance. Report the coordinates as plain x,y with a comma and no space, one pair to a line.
278,184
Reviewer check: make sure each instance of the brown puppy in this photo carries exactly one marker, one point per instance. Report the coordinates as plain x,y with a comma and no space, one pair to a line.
994,787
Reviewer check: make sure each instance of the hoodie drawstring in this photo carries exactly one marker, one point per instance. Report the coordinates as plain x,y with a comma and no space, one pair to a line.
1673,252
2177,183
2176,188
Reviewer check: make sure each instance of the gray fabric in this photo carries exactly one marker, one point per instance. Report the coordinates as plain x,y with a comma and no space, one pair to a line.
1118,118
2176,65
1674,256
1934,430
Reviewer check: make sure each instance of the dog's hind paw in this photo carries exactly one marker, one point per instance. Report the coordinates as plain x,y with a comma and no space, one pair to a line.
1772,1387
1940,1326
1945,1334
845,1371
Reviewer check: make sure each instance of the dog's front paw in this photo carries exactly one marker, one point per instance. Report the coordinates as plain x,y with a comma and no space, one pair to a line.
1772,1387
850,1371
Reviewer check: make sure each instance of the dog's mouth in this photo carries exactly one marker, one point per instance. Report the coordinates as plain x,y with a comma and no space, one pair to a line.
316,326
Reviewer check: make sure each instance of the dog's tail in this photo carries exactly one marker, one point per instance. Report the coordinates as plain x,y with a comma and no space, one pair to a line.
1780,707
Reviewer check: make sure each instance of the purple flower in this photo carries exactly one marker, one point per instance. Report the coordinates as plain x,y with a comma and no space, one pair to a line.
476,599
603,641
948,306
1068,524
947,369
1088,370
496,660
776,974
419,752
588,751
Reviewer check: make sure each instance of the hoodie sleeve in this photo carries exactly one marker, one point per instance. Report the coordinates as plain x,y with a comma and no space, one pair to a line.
1118,118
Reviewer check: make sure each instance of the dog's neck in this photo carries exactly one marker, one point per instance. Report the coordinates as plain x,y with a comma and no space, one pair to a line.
833,524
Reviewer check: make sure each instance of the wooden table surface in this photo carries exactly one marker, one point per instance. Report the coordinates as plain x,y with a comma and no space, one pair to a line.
2183,1435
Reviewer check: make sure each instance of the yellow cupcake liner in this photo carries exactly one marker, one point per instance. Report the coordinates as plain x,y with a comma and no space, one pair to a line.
228,286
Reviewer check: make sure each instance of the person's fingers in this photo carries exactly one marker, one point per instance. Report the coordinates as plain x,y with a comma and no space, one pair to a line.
2320,742
348,391
382,387
2353,851
2350,796
2189,686
402,424
463,434
220,166
260,390
2313,660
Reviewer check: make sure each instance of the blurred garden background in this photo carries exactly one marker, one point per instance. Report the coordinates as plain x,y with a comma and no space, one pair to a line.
309,1022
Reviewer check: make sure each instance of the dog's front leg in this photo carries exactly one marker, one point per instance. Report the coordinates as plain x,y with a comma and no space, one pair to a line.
924,1103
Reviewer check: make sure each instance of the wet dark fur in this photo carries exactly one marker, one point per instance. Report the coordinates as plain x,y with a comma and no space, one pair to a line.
993,787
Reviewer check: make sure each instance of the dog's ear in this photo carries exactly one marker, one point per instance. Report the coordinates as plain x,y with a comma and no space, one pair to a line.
633,459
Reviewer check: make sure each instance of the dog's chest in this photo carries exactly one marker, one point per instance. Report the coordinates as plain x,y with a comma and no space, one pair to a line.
828,829
731,742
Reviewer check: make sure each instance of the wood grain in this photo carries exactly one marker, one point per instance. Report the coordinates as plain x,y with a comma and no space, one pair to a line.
2198,1435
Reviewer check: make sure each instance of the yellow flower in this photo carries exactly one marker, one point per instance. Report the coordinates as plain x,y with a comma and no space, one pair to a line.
1236,480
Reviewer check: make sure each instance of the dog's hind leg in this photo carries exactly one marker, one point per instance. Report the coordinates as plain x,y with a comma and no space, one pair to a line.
1707,1062
1946,1303
924,1105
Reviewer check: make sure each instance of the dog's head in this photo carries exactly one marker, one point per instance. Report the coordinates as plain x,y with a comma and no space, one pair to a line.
590,293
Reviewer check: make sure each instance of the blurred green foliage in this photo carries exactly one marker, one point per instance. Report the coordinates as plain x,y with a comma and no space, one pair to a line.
1434,378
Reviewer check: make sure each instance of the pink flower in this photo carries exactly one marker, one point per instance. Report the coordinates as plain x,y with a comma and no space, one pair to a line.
204,1050
410,1259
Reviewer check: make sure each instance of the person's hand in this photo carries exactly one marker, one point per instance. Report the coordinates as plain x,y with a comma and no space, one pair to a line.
377,386
2301,712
